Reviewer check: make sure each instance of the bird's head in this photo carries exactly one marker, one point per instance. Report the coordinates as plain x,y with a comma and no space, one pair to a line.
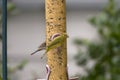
65,35
58,34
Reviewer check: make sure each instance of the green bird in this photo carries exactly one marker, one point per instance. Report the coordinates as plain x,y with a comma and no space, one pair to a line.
56,42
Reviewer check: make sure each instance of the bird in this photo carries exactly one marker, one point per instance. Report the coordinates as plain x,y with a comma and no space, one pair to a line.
40,48
56,41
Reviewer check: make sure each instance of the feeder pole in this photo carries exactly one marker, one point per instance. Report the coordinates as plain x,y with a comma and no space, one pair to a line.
56,23
4,39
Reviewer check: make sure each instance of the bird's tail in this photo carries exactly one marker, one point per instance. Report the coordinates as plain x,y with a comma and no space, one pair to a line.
34,52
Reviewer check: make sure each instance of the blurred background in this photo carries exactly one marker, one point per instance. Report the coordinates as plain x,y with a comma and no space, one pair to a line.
93,27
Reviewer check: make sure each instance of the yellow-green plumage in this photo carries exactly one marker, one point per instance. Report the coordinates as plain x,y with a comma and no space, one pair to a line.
56,42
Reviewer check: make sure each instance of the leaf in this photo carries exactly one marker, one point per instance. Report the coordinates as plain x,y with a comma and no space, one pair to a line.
80,41
21,66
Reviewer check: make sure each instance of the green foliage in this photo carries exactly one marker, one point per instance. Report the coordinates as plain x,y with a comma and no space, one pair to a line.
106,53
18,67
10,8
12,70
